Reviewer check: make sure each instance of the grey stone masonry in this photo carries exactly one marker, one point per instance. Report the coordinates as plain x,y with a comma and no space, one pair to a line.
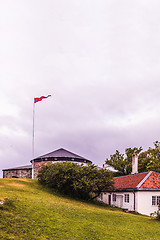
20,172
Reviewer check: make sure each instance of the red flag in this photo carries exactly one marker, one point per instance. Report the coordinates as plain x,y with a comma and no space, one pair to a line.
40,98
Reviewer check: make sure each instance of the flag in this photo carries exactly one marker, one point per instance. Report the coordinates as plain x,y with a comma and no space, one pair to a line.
40,98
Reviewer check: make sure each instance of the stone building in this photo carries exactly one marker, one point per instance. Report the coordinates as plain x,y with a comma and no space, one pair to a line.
60,155
18,172
31,171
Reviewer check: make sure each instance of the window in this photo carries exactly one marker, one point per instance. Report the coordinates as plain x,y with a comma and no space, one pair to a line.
101,196
155,200
126,198
158,199
114,197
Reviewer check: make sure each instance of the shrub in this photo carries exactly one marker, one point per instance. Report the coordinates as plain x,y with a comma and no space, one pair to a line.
85,182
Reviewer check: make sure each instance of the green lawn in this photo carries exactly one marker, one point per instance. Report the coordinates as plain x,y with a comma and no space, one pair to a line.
33,212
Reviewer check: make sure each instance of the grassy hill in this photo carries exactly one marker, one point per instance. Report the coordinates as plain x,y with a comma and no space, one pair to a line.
33,212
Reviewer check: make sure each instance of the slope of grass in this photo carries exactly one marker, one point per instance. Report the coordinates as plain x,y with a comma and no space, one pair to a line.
34,212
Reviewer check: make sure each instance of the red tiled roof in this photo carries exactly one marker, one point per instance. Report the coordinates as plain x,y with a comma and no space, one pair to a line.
153,181
129,181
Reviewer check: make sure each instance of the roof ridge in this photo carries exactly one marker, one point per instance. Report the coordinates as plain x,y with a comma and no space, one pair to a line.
69,152
144,179
131,175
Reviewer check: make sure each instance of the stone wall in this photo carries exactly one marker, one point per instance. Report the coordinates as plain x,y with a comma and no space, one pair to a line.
19,173
37,165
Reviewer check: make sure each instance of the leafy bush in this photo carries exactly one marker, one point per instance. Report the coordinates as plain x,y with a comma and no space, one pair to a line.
85,182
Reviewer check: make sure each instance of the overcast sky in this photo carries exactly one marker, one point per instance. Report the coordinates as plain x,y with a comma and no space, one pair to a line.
100,61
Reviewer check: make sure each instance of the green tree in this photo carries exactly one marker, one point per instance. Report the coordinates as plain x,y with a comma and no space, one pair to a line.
85,182
148,160
123,162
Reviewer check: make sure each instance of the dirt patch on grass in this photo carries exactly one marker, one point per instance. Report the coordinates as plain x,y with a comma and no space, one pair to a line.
24,179
16,185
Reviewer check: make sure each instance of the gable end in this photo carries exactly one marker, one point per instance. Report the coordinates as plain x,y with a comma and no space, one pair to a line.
152,182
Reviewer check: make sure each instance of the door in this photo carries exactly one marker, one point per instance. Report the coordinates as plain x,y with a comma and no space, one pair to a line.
119,201
109,199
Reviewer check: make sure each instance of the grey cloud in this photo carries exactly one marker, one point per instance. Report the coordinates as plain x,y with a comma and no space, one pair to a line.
100,62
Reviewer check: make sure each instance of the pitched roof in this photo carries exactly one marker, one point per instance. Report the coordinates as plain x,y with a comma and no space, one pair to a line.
140,181
153,181
62,153
19,168
129,181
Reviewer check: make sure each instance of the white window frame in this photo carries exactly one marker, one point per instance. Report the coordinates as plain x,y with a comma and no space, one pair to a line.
158,199
126,198
101,196
155,200
114,197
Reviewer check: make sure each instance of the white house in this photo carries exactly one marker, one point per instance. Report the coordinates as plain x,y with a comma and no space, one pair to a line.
139,192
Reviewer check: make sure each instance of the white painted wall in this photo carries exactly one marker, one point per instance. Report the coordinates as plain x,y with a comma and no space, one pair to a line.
120,197
104,198
143,201
120,201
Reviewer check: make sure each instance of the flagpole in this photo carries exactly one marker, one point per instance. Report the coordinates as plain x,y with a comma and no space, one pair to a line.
33,140
34,102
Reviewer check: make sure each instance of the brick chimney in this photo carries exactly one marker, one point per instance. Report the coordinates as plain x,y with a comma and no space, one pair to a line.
135,164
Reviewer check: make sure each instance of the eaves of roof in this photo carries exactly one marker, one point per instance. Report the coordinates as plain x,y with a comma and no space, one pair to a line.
60,159
18,168
134,189
61,154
